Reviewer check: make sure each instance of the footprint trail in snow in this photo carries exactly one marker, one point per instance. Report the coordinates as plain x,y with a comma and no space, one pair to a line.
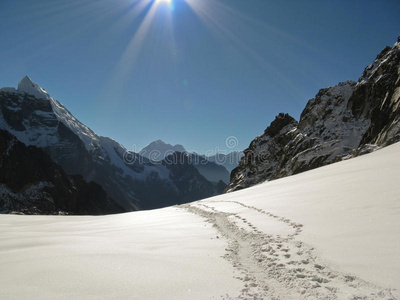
273,263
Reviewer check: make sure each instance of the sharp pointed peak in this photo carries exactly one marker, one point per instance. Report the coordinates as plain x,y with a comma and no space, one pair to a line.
27,86
159,142
26,78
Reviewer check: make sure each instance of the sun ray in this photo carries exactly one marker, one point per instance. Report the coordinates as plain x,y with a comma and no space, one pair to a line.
48,40
124,67
222,20
92,12
276,49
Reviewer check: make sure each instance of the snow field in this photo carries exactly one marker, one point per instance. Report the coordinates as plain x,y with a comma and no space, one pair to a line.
330,233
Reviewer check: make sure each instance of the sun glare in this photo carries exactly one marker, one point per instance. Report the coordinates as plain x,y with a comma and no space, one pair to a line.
164,1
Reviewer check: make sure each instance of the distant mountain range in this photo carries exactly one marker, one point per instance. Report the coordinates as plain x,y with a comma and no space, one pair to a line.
158,150
343,121
215,168
134,182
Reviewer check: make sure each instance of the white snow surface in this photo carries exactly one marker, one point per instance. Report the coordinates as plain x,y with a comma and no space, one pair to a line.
329,233
164,254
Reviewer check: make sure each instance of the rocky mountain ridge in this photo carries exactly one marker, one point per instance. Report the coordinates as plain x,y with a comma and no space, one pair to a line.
36,119
341,122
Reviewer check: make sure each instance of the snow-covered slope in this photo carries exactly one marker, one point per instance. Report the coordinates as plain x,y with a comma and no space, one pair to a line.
329,233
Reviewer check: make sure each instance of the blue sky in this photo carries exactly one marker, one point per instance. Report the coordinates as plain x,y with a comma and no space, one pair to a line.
192,72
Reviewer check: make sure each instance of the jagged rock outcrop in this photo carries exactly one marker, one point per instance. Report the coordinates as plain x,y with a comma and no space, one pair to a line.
376,97
342,121
264,156
31,183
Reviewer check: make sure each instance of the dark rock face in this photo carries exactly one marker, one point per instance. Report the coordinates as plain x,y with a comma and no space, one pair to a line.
24,113
264,156
376,97
34,122
278,124
342,121
31,183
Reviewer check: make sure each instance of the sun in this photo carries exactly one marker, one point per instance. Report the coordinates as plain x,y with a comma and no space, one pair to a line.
165,1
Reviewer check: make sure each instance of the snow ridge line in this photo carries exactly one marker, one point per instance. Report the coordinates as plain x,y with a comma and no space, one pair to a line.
276,267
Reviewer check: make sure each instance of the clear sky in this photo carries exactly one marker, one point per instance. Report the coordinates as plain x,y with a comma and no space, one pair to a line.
193,72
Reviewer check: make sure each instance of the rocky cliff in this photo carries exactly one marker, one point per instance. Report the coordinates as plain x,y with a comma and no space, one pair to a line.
341,122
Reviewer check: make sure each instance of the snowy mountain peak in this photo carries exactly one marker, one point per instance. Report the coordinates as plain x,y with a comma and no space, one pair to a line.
27,86
161,142
158,150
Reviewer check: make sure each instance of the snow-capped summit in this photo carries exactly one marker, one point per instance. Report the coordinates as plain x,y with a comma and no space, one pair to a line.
158,150
27,86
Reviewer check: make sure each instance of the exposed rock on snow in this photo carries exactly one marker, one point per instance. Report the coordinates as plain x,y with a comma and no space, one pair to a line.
342,121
